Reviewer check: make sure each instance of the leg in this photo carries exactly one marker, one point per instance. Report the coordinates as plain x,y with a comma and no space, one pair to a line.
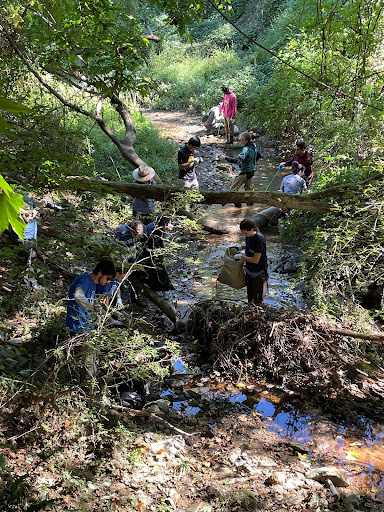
236,184
257,288
231,129
227,128
248,185
238,181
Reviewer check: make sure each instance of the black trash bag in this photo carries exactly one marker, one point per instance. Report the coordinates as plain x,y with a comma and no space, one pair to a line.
134,394
158,278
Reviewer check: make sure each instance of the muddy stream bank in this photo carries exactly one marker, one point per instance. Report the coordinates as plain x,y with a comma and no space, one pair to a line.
354,445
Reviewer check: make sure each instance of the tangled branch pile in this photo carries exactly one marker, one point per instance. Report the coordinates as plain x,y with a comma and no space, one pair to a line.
294,349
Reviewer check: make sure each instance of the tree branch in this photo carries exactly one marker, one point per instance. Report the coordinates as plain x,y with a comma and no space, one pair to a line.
125,146
279,199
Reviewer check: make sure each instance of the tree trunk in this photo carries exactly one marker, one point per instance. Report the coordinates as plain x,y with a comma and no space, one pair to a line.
158,301
278,199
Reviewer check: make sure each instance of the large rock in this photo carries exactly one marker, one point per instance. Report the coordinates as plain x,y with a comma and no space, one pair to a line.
337,476
172,445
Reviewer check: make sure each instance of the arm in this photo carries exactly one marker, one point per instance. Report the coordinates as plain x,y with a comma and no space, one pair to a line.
288,163
254,259
82,300
185,165
240,157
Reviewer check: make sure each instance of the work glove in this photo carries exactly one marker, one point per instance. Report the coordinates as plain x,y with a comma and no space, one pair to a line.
281,167
220,158
238,256
198,160
119,303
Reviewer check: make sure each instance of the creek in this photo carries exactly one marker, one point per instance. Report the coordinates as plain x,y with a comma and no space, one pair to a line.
355,445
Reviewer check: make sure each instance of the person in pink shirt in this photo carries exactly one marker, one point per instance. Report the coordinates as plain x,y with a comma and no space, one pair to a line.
229,108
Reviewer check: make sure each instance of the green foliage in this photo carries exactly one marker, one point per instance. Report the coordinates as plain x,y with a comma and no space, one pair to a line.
17,493
158,152
195,81
10,204
342,251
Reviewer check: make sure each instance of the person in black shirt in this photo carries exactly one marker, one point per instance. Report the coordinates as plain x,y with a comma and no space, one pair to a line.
256,263
187,163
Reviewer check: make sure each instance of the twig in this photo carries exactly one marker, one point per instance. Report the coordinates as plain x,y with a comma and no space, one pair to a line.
151,415
23,434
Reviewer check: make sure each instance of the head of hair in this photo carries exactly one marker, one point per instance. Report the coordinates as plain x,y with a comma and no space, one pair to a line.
295,167
106,267
225,89
248,225
301,144
194,141
136,226
163,220
246,136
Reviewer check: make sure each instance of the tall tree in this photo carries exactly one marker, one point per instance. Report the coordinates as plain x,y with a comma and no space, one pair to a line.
96,49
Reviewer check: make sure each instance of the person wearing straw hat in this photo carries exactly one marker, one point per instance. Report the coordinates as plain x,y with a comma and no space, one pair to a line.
144,208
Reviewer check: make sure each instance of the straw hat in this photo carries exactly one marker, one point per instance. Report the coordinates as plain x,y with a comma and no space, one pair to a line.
143,173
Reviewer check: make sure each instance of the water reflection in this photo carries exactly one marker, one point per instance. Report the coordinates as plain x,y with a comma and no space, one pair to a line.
356,447
289,423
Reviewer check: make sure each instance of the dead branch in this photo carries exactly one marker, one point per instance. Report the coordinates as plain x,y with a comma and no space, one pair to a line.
152,416
279,199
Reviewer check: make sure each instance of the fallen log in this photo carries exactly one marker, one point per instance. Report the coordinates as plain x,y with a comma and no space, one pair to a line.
158,301
278,199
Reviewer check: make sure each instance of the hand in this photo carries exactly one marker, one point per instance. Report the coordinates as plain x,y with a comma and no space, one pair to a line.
281,166
238,256
220,157
119,303
232,119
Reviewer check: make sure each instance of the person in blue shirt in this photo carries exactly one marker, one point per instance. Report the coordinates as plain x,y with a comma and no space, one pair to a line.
256,263
82,294
294,183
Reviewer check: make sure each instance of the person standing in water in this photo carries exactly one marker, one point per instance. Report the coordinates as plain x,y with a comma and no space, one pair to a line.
256,263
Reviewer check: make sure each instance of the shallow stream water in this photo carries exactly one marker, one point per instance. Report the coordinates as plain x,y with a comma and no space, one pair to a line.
358,444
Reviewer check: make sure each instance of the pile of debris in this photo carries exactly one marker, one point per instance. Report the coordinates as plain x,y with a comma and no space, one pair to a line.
295,349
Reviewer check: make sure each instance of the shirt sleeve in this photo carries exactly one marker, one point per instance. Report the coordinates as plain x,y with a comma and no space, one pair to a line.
82,300
289,162
233,105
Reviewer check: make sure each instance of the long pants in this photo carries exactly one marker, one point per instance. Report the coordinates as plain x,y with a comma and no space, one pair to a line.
191,184
240,180
229,127
257,287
